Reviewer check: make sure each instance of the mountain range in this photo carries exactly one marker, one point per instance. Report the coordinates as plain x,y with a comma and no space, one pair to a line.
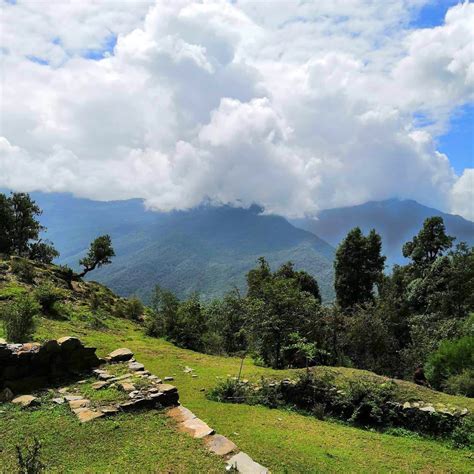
397,221
207,249
210,249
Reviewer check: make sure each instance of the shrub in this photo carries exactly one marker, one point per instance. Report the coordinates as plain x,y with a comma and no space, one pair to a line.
463,435
461,384
48,295
18,318
23,269
134,308
451,358
230,390
155,324
29,461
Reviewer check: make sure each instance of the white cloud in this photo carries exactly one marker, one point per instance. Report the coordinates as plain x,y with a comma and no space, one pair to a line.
300,107
462,198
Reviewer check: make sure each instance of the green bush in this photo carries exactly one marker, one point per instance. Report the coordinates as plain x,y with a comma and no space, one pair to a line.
463,435
19,318
29,459
451,359
48,295
134,308
461,384
23,269
230,390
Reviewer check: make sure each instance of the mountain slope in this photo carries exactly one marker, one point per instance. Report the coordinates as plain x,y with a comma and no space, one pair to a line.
207,249
395,220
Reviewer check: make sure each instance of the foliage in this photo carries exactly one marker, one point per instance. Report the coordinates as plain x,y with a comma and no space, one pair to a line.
18,318
134,308
23,269
99,254
460,384
450,359
29,459
47,296
161,320
463,435
429,244
20,228
358,268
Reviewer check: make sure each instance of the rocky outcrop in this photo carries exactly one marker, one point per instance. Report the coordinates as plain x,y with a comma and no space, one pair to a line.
26,367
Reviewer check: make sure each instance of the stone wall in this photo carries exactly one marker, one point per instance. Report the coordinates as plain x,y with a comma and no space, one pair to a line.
25,367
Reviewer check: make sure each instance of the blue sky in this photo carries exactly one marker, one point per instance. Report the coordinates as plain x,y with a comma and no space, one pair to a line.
458,142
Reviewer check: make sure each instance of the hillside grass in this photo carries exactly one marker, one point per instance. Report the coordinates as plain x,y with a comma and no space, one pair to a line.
282,440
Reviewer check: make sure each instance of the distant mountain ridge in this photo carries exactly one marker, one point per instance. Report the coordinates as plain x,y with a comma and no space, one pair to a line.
397,221
207,250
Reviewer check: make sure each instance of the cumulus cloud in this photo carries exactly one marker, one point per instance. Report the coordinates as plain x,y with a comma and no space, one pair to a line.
297,108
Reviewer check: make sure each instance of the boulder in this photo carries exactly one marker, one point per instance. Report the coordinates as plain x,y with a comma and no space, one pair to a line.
136,367
26,401
6,395
120,355
84,414
68,343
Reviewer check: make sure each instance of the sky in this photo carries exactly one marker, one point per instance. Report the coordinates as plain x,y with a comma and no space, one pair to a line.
295,105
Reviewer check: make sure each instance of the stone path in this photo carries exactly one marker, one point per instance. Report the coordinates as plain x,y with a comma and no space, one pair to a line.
189,423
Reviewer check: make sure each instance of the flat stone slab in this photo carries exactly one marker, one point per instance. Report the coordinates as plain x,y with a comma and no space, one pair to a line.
196,428
136,367
99,385
84,414
126,387
220,445
246,465
121,355
71,398
181,414
26,401
165,387
58,401
74,404
109,410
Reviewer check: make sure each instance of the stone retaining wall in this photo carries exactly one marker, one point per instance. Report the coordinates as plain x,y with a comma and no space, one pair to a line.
26,367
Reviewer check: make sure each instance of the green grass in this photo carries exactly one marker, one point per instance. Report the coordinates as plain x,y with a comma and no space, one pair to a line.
279,439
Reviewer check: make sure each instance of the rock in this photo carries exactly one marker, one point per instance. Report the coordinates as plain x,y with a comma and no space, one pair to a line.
3,342
105,376
196,428
63,390
428,409
75,404
99,385
69,344
245,464
121,377
120,355
136,404
126,387
154,377
26,401
180,414
220,445
168,379
136,367
109,410
187,370
6,395
85,415
58,401
71,398
464,412
406,405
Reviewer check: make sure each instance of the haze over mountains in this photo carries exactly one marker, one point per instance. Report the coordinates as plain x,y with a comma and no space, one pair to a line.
397,221
210,249
206,250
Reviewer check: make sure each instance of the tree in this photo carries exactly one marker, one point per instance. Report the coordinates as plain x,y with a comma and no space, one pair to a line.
358,266
164,305
304,280
24,223
430,243
43,251
100,253
257,277
190,325
20,229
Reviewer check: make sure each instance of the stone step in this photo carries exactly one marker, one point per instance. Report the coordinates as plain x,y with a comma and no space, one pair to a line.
246,465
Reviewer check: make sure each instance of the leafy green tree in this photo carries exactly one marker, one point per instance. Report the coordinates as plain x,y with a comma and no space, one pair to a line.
164,305
358,268
99,254
190,325
43,251
430,243
257,277
24,223
5,225
304,280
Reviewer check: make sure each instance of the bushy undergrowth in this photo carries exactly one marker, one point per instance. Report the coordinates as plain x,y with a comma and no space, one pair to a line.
23,269
18,318
362,403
